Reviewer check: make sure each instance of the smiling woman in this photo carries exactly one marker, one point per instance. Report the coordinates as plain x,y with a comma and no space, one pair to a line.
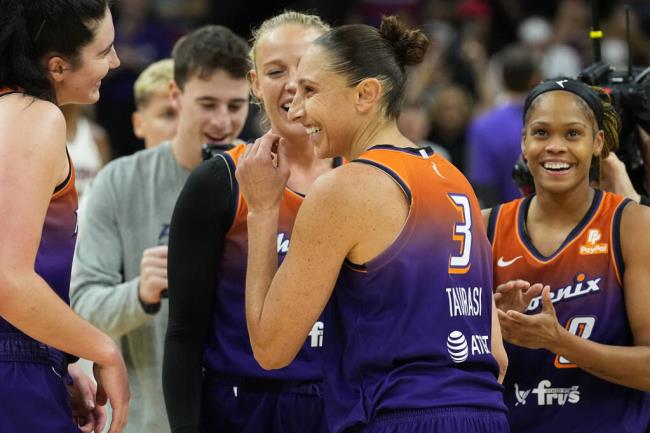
572,278
53,53
208,360
388,242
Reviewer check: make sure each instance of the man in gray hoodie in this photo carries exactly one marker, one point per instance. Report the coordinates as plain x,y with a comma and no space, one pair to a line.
120,265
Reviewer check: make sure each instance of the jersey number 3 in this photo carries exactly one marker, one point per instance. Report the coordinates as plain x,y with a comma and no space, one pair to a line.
460,264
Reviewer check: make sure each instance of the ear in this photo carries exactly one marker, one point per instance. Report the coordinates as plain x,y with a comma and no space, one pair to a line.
255,84
136,121
368,94
599,142
175,94
523,144
56,68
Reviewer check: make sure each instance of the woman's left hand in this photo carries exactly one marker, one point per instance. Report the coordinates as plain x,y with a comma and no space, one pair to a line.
536,331
88,415
262,173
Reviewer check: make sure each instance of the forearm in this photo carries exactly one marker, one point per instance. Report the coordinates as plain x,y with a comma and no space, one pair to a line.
114,308
623,365
182,383
262,265
28,303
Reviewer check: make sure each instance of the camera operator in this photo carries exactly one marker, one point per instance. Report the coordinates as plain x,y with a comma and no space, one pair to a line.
614,176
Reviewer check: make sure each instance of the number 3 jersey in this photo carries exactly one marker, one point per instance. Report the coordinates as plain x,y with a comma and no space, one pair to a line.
546,392
411,329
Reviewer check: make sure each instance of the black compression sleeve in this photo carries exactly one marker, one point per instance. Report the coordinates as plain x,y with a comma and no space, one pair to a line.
202,216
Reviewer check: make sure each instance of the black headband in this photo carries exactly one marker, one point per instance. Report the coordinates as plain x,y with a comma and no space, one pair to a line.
577,88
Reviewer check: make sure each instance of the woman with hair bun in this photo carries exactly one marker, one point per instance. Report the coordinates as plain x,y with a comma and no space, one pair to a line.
52,53
394,238
572,280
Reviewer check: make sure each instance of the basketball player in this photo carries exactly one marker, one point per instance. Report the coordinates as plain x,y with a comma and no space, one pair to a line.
52,53
394,237
207,270
579,352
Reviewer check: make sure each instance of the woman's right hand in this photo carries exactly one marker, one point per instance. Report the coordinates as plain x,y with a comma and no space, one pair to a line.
516,295
262,173
113,386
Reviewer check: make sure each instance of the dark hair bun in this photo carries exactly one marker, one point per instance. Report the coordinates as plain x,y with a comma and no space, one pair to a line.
409,44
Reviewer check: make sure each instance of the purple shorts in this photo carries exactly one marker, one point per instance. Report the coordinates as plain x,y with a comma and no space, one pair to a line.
261,407
443,420
33,398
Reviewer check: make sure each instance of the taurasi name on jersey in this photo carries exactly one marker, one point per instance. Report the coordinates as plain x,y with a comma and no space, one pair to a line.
465,301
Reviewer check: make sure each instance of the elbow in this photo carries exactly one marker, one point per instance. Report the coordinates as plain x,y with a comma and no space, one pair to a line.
269,360
271,356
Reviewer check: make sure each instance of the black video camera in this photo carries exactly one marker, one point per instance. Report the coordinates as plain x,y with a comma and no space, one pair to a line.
630,94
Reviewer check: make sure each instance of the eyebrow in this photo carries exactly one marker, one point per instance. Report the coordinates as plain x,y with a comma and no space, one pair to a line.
107,49
211,99
273,62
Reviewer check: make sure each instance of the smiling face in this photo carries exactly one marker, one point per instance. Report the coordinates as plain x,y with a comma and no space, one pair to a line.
210,110
559,142
80,84
277,54
325,105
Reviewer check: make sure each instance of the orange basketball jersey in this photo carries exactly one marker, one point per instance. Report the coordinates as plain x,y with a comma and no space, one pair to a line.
545,391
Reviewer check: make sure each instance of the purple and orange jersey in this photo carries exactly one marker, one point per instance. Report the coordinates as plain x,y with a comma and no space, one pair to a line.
411,329
227,350
547,392
54,255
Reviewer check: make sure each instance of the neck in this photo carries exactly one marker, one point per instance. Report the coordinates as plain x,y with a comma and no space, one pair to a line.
566,208
188,157
374,133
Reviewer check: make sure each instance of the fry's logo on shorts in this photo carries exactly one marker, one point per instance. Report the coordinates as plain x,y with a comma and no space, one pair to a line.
592,246
547,396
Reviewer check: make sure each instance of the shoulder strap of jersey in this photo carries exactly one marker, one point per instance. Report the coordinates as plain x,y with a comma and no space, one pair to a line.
617,251
5,90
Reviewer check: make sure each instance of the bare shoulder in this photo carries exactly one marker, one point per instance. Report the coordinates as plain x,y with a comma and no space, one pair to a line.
356,185
32,121
20,105
635,221
635,231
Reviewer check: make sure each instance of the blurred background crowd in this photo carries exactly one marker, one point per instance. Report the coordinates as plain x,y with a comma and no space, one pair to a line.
465,99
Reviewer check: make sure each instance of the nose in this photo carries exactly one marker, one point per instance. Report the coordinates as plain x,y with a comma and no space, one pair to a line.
556,145
113,61
220,118
296,109
292,86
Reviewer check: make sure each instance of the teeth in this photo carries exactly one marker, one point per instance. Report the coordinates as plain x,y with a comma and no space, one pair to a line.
312,130
556,165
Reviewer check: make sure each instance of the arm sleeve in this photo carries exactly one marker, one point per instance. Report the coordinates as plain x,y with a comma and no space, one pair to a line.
203,214
98,291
